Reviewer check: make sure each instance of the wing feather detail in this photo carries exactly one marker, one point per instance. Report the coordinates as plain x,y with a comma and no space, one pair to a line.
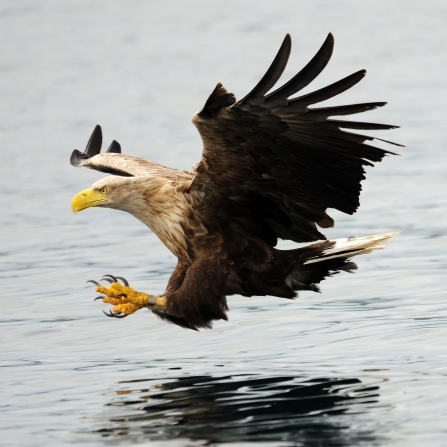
308,73
281,160
272,75
328,92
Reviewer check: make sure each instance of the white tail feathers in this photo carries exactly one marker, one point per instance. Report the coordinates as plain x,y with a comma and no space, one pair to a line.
353,246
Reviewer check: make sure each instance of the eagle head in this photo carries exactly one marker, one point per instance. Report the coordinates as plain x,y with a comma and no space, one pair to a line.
109,192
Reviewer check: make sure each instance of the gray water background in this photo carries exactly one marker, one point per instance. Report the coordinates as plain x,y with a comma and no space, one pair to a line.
363,363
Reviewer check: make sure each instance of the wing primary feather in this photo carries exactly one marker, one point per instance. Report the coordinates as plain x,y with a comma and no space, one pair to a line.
390,142
308,73
328,92
272,75
317,113
360,125
218,99
77,157
95,142
114,147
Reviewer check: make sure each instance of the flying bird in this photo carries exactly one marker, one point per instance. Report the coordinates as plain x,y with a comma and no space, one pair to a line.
271,167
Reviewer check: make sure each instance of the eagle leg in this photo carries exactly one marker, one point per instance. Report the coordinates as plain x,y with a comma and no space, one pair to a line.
126,300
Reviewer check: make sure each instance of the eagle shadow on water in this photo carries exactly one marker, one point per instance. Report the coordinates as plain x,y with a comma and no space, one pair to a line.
271,167
242,408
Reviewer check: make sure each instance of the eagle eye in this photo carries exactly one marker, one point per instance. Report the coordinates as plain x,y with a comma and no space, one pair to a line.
104,190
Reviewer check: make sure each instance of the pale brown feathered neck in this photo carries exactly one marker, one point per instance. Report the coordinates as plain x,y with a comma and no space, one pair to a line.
157,202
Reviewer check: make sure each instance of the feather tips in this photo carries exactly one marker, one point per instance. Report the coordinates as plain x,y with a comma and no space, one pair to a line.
330,91
218,99
92,150
308,73
271,76
95,142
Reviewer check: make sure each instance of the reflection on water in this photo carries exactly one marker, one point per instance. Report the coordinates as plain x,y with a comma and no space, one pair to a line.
242,408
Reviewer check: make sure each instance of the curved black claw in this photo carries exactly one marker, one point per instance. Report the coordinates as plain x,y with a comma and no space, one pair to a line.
123,280
114,315
94,282
107,279
99,298
120,295
111,277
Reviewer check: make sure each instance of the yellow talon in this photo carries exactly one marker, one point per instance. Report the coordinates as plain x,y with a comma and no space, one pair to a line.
126,300
113,301
111,292
126,308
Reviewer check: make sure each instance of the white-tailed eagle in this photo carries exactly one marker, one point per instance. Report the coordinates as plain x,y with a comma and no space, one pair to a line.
271,167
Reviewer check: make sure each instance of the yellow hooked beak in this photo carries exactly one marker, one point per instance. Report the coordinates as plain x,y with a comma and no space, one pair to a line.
86,199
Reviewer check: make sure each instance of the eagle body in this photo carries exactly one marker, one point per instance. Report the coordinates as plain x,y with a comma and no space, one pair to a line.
270,169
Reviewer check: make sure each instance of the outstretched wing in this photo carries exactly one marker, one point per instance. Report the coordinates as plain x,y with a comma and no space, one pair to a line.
284,161
114,162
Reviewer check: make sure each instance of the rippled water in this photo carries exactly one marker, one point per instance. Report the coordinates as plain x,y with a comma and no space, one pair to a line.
363,363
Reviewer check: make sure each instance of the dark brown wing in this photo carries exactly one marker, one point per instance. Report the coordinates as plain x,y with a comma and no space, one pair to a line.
282,160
